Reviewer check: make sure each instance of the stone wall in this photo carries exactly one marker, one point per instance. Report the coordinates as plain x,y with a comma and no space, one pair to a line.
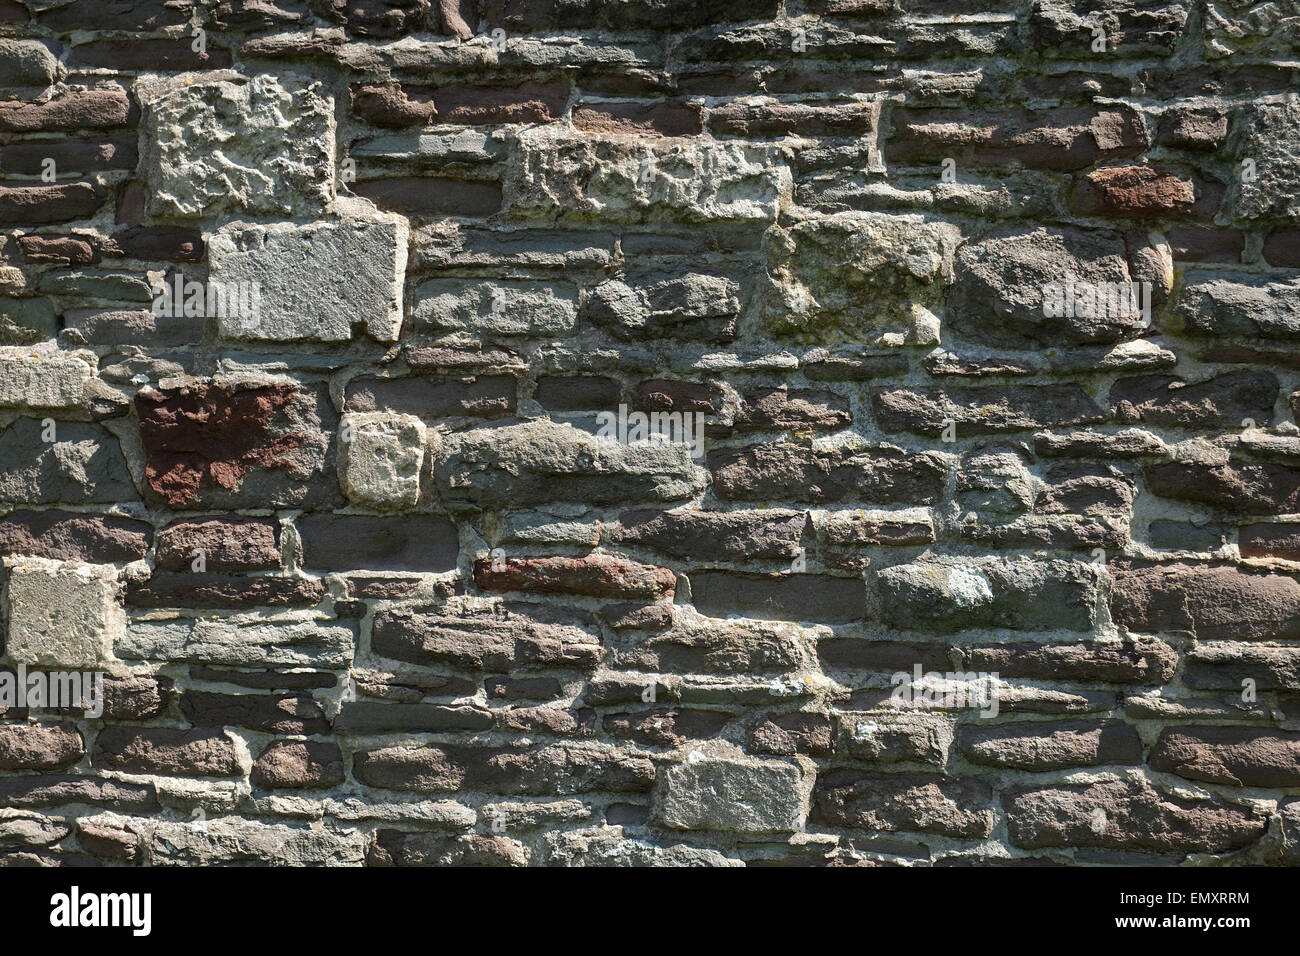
336,339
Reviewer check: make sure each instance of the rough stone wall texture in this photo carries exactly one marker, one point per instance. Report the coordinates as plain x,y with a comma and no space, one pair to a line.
370,587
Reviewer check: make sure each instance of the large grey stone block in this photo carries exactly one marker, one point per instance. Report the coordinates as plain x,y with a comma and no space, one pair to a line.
314,282
264,147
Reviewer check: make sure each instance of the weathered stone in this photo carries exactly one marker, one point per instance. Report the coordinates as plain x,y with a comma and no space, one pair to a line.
1228,666
313,282
233,842
1269,541
63,616
68,463
1131,661
1126,815
661,119
26,831
220,544
693,306
80,159
397,848
862,527
138,327
886,737
39,746
96,284
731,793
780,408
107,841
952,594
298,764
982,409
26,63
790,472
1266,133
797,733
1239,756
1051,746
1138,191
240,642
229,442
665,726
717,536
717,647
46,790
1128,28
1223,401
1003,280
551,770
557,175
199,752
63,250
271,714
381,458
856,276
1058,138
136,697
537,462
26,321
102,108
1236,487
1239,304
32,205
926,803
495,308
608,848
262,147
486,639
596,575
1212,602
66,536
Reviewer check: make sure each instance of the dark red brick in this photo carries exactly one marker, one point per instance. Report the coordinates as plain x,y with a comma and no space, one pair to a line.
298,765
1237,756
70,158
432,196
331,542
597,575
173,243
138,54
184,753
659,119
39,746
271,714
779,597
227,544
66,536
103,108
1270,541
167,589
32,205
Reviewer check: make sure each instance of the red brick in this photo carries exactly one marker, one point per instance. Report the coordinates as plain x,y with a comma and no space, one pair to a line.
660,119
85,109
30,205
596,575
